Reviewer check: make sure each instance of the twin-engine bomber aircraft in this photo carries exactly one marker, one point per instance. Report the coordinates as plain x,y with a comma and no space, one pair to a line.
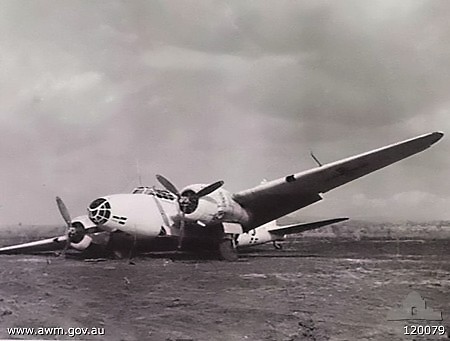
203,216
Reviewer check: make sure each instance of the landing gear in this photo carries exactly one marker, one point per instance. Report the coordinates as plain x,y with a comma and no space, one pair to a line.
227,250
130,255
277,246
122,246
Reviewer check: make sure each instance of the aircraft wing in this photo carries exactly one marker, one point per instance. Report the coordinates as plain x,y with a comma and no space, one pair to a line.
276,198
299,228
50,244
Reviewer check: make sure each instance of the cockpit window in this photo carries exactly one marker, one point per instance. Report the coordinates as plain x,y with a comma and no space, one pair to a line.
159,193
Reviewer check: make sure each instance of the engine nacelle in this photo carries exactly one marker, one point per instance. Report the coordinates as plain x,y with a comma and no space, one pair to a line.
83,244
216,207
80,241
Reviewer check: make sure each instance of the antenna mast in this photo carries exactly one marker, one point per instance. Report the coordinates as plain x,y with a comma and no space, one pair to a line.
316,159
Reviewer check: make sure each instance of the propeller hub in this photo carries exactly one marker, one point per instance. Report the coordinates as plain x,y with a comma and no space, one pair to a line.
188,201
72,231
76,232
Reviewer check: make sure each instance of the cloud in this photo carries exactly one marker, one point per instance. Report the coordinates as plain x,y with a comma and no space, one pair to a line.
206,90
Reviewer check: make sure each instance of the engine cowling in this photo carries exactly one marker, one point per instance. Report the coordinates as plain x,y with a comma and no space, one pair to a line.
79,240
216,207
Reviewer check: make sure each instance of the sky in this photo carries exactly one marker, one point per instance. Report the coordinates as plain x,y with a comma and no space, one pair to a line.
97,94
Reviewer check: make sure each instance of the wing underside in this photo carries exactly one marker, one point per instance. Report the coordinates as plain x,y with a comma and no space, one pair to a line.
276,198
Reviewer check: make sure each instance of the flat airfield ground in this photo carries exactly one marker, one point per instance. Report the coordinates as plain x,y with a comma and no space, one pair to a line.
313,289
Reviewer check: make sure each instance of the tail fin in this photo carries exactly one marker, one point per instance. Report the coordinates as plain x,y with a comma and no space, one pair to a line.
298,228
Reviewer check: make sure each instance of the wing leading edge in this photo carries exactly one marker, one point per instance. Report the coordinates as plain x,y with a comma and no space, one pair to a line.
50,244
279,197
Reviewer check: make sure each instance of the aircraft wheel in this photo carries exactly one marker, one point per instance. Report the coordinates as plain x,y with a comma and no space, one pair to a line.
227,251
277,246
119,254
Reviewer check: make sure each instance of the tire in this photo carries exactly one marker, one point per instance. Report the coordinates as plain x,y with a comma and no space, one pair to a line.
227,251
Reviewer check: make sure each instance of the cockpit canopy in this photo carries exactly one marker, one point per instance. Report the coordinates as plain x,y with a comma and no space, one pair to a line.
159,193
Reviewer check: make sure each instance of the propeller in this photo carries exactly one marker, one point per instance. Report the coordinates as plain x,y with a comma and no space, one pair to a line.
71,231
64,211
167,185
210,188
188,200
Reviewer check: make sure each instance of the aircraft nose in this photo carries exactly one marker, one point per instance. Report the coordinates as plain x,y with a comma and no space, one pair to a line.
99,211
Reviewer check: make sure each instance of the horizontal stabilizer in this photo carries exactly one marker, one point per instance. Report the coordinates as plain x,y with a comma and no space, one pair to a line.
299,228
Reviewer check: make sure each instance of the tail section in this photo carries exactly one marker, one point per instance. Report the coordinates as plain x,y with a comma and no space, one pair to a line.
271,232
299,228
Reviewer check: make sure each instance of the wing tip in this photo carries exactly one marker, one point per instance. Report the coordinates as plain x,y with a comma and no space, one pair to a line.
342,219
427,140
439,135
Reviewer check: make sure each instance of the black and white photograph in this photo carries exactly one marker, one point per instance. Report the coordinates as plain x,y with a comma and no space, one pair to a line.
224,170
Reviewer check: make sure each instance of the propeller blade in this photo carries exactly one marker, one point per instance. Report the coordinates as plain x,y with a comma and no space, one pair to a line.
167,185
181,237
66,216
64,211
209,189
63,252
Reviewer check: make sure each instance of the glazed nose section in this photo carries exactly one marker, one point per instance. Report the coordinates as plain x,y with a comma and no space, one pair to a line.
99,211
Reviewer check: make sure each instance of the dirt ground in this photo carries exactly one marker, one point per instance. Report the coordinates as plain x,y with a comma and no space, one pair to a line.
313,289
